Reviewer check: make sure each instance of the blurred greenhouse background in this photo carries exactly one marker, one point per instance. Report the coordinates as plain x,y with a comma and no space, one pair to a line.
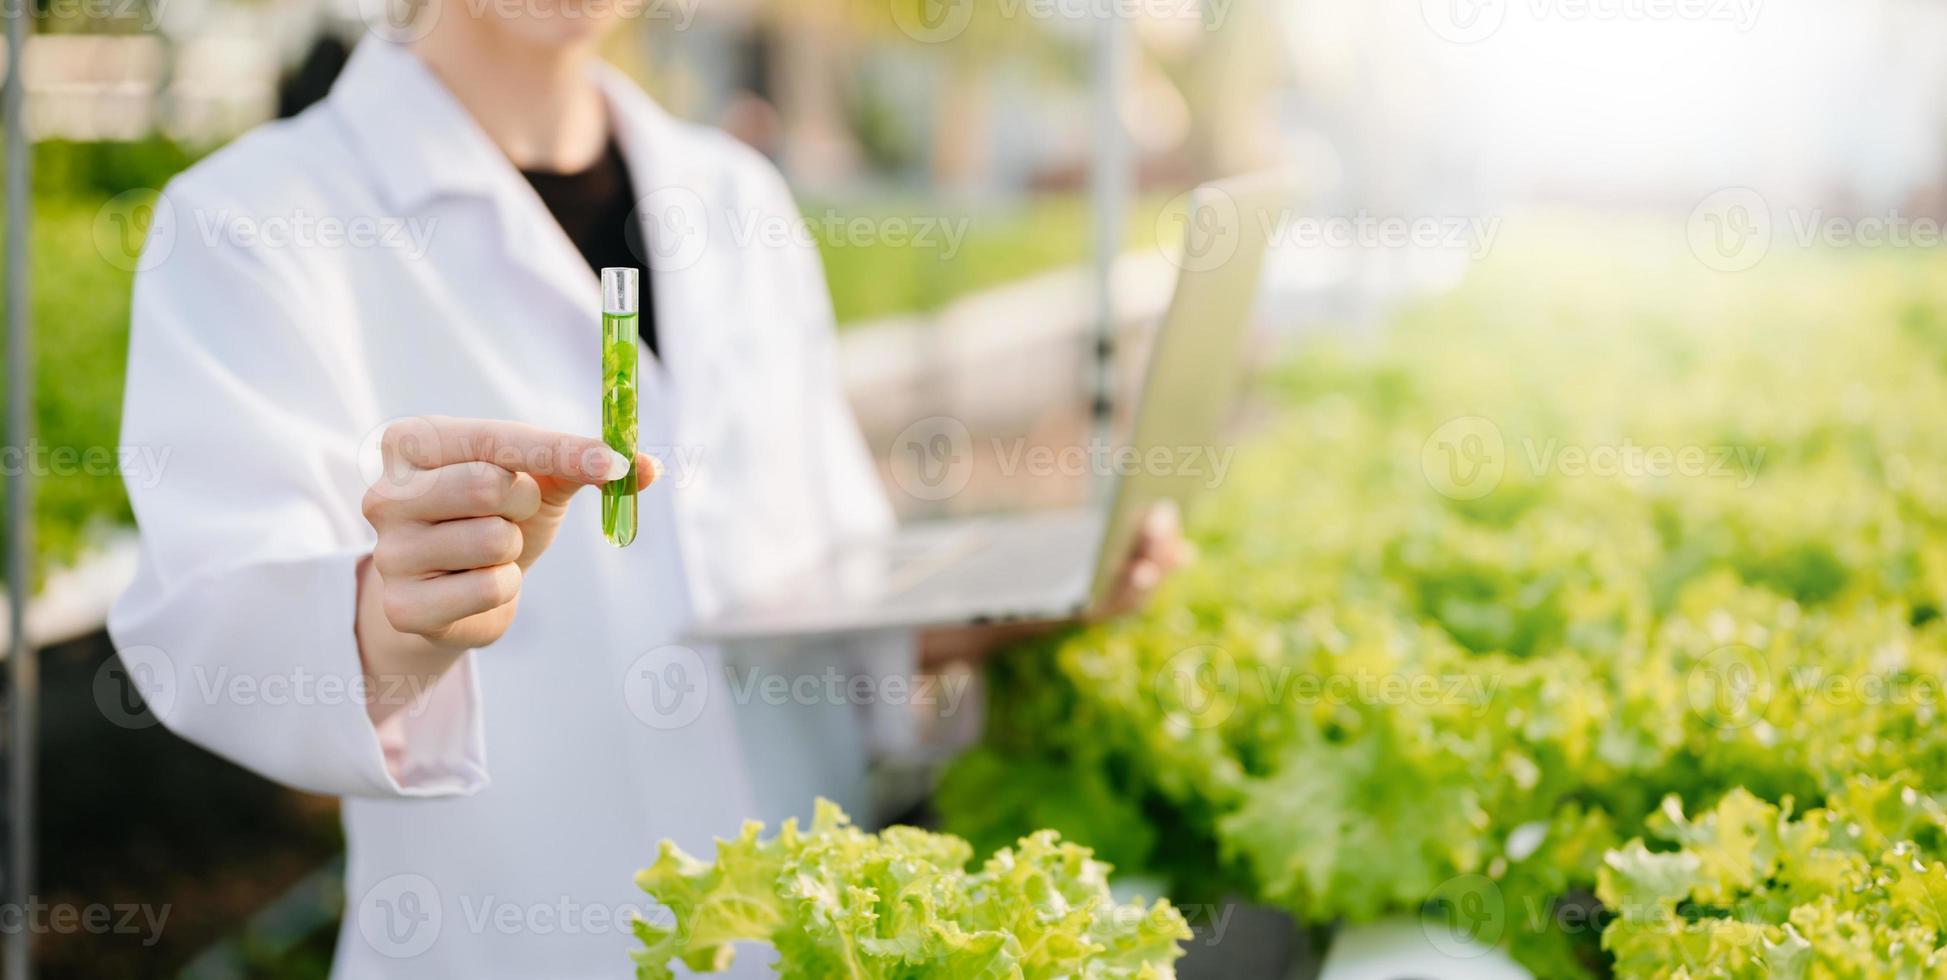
1568,133
978,152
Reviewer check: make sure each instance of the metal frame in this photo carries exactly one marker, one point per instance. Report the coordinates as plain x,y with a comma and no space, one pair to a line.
23,685
1110,179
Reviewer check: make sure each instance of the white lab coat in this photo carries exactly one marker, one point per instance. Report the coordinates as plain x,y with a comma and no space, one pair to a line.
494,831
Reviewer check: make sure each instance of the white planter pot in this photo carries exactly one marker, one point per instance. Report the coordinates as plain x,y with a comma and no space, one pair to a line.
1406,947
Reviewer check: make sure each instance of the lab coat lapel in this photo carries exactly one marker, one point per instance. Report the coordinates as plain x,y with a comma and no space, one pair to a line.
536,245
683,212
707,285
424,145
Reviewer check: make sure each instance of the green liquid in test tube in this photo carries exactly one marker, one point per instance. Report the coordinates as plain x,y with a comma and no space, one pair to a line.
619,339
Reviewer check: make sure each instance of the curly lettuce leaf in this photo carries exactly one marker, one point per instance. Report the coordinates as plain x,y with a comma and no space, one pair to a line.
1752,891
836,901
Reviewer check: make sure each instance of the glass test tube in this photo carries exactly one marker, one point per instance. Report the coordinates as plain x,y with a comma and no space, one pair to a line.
619,358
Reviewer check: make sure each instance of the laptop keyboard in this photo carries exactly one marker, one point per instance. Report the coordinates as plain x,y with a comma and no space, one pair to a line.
1026,558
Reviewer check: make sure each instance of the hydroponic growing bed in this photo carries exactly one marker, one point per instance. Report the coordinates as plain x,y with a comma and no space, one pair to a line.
1594,611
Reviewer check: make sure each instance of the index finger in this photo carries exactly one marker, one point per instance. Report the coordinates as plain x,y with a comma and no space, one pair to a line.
433,442
1161,527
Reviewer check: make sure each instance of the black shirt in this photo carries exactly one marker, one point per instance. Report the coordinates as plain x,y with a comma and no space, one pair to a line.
596,207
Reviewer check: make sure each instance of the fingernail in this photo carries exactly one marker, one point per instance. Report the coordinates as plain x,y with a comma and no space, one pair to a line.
655,469
617,465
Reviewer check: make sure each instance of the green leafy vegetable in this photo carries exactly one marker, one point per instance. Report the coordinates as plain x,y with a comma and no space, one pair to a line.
1753,892
1600,527
836,901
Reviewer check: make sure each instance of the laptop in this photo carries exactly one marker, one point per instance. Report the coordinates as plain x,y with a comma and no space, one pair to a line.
1057,564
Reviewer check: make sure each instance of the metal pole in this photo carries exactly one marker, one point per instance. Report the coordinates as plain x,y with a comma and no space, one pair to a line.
1109,184
22,683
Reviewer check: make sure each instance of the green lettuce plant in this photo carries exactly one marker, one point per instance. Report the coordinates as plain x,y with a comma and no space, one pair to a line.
837,902
1856,889
1426,653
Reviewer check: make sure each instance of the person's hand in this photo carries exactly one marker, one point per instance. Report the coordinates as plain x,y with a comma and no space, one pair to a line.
463,509
1160,549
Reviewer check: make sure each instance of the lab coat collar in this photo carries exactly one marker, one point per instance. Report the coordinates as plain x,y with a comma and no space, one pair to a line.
421,141
642,127
425,144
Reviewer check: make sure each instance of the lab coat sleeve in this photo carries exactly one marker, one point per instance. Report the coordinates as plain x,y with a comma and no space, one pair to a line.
243,607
